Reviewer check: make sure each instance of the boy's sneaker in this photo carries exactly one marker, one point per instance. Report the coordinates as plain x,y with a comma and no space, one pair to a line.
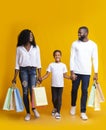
73,110
84,116
36,113
27,117
57,115
54,111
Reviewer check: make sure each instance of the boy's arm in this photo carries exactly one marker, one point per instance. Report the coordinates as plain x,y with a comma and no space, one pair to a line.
66,76
45,76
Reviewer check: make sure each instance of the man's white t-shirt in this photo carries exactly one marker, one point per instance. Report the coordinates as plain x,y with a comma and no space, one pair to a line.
57,70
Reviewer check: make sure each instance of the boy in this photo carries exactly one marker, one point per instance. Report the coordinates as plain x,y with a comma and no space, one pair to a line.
58,70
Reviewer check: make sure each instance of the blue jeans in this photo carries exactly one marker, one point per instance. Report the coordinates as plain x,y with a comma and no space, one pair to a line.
84,88
28,80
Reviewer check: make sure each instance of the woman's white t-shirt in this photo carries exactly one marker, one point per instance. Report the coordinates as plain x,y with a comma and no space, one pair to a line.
57,70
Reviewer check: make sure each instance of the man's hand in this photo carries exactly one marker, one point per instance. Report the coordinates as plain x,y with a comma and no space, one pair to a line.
95,77
73,76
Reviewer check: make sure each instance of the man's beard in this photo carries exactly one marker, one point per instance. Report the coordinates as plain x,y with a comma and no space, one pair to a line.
82,38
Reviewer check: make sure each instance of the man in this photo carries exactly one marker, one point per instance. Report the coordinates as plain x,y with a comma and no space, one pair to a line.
83,53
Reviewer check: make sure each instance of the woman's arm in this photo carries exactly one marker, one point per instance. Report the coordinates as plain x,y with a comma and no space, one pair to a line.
15,76
39,73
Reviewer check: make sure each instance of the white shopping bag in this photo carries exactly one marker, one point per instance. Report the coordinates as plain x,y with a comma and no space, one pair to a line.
39,97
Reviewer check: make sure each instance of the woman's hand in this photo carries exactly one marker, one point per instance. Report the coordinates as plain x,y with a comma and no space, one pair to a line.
14,81
39,80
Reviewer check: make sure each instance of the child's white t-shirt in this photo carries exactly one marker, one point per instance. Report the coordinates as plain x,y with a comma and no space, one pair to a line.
57,70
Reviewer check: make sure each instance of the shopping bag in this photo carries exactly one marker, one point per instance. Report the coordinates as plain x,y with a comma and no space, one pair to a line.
100,93
18,100
33,99
39,96
6,105
12,101
91,98
97,101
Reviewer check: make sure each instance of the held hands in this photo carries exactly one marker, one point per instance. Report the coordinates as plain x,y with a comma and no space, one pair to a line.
73,76
39,80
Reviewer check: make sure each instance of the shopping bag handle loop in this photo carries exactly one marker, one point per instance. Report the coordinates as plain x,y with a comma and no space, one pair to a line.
38,85
95,82
13,85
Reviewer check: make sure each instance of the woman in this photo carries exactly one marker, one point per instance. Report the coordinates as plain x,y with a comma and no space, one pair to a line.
28,63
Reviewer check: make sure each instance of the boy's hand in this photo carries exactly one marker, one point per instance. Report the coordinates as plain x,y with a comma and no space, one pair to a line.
70,77
73,76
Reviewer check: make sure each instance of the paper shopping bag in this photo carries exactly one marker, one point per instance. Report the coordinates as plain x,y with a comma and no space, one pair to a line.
97,101
39,95
6,105
12,101
33,99
18,100
100,93
91,96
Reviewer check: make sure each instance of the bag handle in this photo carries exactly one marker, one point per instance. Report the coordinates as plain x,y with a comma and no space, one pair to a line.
13,85
96,83
38,85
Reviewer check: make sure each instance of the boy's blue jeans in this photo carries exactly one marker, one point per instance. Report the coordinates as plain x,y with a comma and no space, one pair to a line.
28,80
84,79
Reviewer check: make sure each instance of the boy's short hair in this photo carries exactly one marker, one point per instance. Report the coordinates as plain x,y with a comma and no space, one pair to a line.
57,51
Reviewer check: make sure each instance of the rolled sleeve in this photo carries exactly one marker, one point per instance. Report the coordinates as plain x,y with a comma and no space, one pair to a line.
95,58
38,58
17,59
72,54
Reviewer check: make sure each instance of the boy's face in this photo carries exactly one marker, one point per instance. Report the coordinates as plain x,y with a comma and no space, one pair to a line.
57,57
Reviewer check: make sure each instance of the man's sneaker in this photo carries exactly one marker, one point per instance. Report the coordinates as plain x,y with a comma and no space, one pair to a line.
57,115
27,117
54,111
84,116
37,115
73,110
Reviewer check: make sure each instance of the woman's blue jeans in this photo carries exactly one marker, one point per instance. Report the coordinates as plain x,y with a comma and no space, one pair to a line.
28,81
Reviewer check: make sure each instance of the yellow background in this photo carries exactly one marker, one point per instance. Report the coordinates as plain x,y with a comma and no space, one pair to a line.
54,24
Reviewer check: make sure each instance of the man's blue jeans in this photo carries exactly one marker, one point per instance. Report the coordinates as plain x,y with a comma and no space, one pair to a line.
84,79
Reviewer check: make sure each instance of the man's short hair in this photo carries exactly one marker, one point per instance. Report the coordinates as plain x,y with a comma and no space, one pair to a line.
85,28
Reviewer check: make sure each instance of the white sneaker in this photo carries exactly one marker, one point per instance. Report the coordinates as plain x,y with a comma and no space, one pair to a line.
73,110
84,116
36,113
57,115
27,117
54,111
